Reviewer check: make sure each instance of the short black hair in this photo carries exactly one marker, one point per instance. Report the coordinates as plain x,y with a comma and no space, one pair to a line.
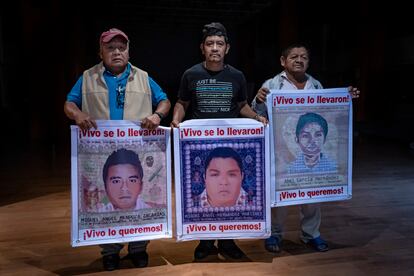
215,28
311,118
224,152
122,156
286,51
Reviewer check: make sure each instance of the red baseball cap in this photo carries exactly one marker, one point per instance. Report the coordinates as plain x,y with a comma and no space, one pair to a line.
110,34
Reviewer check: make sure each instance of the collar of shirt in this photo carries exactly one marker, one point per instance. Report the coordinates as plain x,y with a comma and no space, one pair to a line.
287,84
124,75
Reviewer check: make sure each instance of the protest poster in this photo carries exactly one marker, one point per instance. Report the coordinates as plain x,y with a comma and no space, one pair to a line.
121,177
222,179
311,145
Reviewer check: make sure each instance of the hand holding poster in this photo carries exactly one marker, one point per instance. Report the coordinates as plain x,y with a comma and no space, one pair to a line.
120,183
311,145
222,188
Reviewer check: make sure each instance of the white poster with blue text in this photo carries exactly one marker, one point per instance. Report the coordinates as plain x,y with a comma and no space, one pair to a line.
311,145
121,183
222,179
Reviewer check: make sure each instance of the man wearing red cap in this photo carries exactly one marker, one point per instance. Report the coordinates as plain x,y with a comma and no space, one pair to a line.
114,89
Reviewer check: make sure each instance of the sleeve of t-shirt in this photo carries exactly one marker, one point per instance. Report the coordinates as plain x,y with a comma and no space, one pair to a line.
157,94
183,92
75,95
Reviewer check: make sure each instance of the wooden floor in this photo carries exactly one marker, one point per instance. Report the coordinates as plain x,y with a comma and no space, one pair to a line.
371,234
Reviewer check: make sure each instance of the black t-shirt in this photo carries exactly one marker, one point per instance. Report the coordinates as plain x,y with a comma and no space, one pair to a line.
213,94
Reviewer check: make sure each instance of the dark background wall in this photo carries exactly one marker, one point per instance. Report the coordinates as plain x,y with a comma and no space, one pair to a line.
45,46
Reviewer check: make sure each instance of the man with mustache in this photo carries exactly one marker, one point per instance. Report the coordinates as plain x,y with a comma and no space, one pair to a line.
213,89
114,89
295,61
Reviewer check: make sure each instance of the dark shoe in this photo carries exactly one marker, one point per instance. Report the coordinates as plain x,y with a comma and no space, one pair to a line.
229,248
205,248
110,262
318,244
139,259
272,244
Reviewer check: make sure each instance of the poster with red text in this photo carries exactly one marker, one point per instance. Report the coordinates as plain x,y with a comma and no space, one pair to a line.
311,145
222,179
120,183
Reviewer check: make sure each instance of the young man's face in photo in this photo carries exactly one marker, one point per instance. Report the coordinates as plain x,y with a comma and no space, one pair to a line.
311,139
123,185
214,48
223,180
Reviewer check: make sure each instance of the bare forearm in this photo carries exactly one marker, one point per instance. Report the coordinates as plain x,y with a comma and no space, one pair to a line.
164,107
179,112
83,120
154,120
71,110
247,112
